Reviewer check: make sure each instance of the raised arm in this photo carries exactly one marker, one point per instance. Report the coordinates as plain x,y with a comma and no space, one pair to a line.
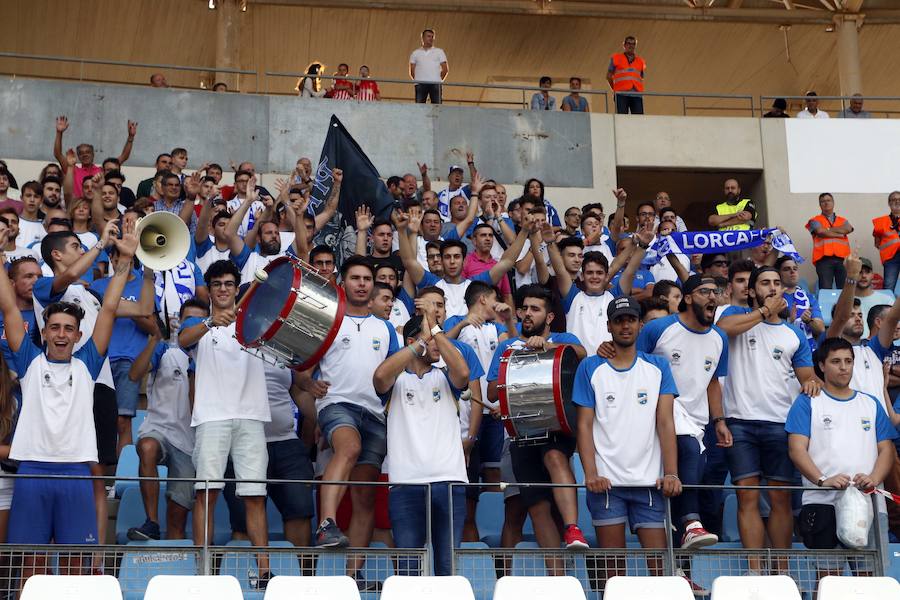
409,221
563,279
107,317
191,190
235,243
331,204
540,265
84,263
508,259
295,216
141,364
126,149
426,180
62,123
145,306
463,226
13,324
68,180
618,222
844,305
643,238
201,233
470,162
680,269
363,223
734,325
260,216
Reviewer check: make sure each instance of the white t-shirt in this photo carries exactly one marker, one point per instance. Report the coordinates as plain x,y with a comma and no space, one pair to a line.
168,397
694,357
281,404
627,445
21,252
56,422
30,232
868,369
422,430
586,317
229,382
250,261
362,343
843,436
249,218
484,341
761,383
428,64
531,276
805,114
212,255
664,270
399,314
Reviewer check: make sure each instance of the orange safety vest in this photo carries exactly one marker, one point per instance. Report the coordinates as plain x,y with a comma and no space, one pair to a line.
627,76
827,246
887,239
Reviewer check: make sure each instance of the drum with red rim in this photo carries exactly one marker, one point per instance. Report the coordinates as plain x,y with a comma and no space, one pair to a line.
293,316
535,392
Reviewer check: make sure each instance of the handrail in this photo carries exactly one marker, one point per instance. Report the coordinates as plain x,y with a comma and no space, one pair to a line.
122,63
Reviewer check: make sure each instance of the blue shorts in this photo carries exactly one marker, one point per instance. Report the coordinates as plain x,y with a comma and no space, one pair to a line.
641,507
760,449
490,441
371,429
53,509
127,391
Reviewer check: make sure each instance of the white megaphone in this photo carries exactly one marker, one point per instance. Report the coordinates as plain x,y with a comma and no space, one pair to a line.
163,240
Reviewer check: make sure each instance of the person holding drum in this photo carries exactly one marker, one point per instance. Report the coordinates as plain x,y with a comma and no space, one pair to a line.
626,438
423,439
547,462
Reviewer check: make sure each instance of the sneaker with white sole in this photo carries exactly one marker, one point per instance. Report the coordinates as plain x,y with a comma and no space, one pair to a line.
575,539
697,537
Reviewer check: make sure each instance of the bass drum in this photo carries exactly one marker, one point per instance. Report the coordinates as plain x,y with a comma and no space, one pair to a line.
293,316
535,392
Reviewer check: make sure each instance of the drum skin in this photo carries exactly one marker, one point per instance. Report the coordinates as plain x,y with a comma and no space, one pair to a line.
292,316
535,391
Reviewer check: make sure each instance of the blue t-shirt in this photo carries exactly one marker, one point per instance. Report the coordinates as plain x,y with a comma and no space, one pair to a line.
642,278
127,339
31,331
553,338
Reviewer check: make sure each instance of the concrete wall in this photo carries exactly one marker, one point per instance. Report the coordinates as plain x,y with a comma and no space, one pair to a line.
580,157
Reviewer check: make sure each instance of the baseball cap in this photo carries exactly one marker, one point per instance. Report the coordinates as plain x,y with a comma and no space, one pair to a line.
455,168
626,305
695,281
866,263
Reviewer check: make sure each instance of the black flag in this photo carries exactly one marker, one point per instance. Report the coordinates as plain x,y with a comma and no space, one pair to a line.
361,185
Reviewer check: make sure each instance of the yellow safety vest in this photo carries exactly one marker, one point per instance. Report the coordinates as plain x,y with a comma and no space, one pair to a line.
723,208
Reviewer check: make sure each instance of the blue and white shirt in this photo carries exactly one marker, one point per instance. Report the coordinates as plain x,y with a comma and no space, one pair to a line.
628,451
518,343
586,317
761,383
843,436
694,357
454,293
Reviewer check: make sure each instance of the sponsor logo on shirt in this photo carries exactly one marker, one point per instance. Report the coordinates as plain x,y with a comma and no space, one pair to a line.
47,382
376,344
642,397
436,394
866,424
410,397
610,399
676,357
345,341
708,364
752,341
827,423
777,353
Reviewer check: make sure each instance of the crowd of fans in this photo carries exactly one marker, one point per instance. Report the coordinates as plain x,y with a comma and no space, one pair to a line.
691,366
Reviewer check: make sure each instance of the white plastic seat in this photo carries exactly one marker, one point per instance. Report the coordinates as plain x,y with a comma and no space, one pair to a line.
770,587
538,588
71,587
648,588
193,587
399,587
339,587
858,588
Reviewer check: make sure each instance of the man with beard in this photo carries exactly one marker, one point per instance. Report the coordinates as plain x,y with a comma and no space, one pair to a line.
626,437
697,352
51,193
734,213
770,363
803,306
350,413
547,462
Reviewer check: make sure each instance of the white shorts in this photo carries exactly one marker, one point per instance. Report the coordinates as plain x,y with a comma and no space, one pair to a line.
506,472
6,492
242,439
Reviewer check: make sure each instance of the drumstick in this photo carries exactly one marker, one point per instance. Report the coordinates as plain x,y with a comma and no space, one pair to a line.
471,398
259,277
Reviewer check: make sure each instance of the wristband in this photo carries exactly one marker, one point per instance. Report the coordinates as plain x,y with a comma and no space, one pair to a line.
208,322
436,330
849,280
99,246
471,162
673,475
717,419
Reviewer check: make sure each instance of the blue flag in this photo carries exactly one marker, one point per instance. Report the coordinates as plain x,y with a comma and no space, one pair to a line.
714,242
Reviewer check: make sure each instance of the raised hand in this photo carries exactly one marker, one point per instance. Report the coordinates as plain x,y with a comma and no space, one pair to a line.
547,233
363,218
423,169
128,244
281,186
110,232
853,264
132,128
645,234
415,219
192,185
476,184
621,196
470,156
338,176
62,123
252,192
503,310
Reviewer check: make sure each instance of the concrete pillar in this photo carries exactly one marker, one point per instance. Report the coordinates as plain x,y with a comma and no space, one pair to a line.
227,33
848,54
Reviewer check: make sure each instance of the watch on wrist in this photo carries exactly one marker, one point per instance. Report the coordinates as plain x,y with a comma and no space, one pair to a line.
99,246
208,321
821,480
718,419
436,330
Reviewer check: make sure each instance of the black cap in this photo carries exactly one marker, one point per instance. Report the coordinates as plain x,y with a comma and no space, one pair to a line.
780,103
695,281
626,305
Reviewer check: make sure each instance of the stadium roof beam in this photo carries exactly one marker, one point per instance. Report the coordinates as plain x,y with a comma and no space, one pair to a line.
575,8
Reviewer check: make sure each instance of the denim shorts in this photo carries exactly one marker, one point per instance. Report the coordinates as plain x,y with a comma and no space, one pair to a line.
180,465
641,507
371,429
127,391
245,441
490,441
760,449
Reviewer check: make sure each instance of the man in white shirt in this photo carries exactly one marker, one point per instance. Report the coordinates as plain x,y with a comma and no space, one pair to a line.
812,108
661,203
769,363
10,218
423,438
350,413
838,438
428,68
31,228
230,410
626,436
55,434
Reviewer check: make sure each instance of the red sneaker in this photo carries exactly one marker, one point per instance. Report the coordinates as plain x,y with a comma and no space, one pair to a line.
575,539
697,537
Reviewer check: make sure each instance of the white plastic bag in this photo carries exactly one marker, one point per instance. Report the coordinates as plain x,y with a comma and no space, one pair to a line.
853,511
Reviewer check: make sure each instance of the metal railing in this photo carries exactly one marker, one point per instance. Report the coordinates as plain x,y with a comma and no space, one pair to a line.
134,564
827,103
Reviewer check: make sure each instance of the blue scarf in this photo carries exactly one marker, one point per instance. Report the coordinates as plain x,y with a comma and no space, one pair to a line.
719,242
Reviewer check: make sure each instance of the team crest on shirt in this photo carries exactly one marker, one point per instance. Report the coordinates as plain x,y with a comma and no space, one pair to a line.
866,424
376,344
642,397
396,311
610,399
177,374
436,394
493,345
777,353
410,397
827,422
675,358
752,341
345,342
707,364
47,382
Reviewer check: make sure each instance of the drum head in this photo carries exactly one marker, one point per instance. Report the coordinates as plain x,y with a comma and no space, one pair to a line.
268,302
